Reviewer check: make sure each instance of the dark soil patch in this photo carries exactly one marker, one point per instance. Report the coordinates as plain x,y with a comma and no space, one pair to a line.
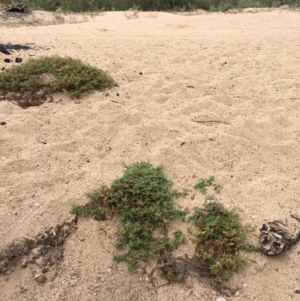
30,101
45,251
7,48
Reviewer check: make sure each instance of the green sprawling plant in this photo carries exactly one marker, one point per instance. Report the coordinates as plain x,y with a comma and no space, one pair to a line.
204,183
143,198
53,74
219,235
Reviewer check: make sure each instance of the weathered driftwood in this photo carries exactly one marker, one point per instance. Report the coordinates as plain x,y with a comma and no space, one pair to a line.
276,238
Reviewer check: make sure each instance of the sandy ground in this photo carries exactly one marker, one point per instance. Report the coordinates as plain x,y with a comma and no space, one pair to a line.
240,71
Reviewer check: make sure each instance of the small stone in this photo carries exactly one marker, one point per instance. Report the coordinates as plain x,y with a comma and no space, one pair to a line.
73,282
7,60
18,60
260,265
36,252
2,123
181,142
23,290
220,299
141,73
39,261
188,283
297,291
40,278
45,270
24,263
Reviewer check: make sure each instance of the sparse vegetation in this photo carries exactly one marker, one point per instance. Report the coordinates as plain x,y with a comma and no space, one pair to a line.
203,184
53,74
144,201
133,12
219,237
58,17
155,5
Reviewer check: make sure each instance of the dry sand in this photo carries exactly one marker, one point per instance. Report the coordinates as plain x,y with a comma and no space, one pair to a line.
239,70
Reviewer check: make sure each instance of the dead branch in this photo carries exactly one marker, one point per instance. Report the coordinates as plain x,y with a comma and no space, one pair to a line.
210,121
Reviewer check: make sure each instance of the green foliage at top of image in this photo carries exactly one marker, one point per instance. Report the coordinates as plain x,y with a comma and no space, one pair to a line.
66,75
219,236
144,201
154,5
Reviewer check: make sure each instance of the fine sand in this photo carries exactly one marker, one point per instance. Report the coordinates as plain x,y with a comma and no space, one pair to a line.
236,74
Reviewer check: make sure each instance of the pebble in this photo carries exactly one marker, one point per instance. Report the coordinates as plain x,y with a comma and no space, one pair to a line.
40,278
260,265
220,299
24,263
188,283
39,261
180,142
36,252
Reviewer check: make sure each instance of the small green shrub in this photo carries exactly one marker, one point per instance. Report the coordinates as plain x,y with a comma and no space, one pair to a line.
204,183
143,199
219,235
133,12
53,74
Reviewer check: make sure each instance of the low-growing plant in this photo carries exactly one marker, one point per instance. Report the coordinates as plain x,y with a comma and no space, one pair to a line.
53,74
210,182
143,199
133,12
58,17
219,236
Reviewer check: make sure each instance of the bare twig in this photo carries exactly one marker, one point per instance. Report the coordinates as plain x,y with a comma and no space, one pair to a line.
210,121
158,266
296,216
56,262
